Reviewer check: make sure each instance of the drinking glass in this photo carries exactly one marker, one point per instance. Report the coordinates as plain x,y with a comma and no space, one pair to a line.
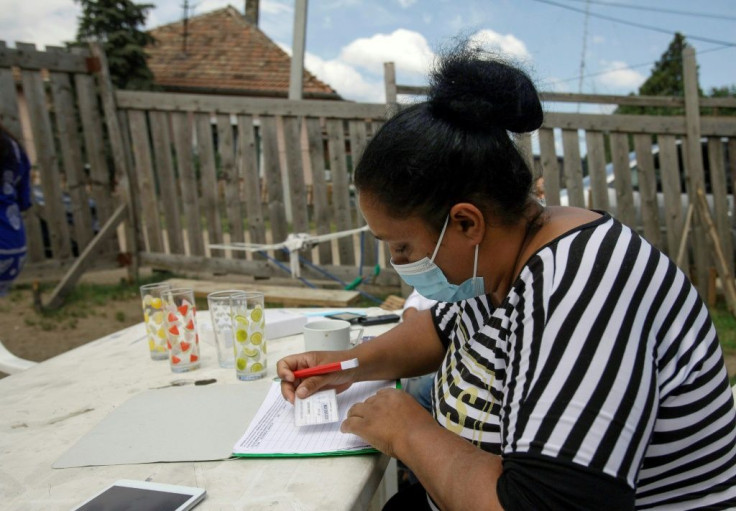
222,324
153,317
183,342
249,330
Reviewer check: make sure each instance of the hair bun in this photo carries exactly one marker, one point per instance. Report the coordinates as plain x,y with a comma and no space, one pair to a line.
469,89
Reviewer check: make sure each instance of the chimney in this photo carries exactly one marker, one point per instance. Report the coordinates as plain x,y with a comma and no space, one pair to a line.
251,11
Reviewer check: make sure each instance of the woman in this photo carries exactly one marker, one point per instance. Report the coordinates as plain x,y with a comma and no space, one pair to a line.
15,196
577,368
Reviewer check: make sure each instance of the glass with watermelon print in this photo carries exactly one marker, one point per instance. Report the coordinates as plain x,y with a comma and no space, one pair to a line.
181,329
249,335
153,317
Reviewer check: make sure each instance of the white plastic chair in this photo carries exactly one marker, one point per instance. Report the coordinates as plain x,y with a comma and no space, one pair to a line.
11,364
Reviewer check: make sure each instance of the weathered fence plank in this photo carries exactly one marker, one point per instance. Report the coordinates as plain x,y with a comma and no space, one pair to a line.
358,140
168,186
69,143
597,171
9,114
231,181
648,189
146,180
524,142
55,216
120,157
248,158
625,210
340,191
322,216
248,105
295,171
94,145
182,127
573,168
208,178
694,165
718,189
732,171
274,183
550,166
674,216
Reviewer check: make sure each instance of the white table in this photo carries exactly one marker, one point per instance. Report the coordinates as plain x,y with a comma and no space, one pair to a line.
48,408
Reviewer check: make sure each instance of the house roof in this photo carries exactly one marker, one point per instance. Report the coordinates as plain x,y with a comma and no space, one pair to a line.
225,54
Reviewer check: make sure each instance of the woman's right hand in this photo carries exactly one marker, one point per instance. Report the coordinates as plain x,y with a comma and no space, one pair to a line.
302,388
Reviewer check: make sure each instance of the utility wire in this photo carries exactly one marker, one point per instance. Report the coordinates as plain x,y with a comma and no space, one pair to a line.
634,66
638,25
664,11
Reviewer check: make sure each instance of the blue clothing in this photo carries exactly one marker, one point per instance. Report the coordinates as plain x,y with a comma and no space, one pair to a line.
15,197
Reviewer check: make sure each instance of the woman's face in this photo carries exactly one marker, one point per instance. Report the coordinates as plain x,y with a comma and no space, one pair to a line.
412,238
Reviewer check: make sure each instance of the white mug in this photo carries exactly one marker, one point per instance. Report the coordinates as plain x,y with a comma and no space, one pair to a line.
330,334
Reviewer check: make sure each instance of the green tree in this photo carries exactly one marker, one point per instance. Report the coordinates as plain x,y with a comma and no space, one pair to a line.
117,25
667,79
721,92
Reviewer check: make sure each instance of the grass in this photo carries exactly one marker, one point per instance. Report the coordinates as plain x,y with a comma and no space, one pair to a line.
725,324
82,302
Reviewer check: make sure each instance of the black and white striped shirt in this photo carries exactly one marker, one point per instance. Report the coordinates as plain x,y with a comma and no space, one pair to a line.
602,361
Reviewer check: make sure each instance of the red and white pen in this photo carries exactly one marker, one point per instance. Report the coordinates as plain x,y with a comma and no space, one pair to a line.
326,368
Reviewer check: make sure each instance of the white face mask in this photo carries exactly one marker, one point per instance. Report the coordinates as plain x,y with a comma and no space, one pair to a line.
429,280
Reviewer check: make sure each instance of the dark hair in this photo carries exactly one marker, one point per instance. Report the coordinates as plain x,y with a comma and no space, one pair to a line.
455,146
6,142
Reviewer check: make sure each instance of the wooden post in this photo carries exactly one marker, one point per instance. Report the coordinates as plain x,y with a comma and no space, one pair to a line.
680,261
107,94
389,78
694,164
550,166
84,260
297,55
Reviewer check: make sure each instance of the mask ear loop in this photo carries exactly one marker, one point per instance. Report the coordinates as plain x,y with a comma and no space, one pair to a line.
442,234
475,263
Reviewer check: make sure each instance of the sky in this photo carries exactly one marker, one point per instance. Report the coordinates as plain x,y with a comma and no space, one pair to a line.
613,48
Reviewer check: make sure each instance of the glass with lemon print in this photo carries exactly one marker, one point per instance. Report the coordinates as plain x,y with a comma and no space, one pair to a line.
249,335
153,318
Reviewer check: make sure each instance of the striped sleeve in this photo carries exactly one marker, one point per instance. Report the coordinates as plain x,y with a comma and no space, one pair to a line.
614,365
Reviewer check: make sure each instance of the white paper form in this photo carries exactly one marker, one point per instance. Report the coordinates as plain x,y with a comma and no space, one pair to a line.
273,431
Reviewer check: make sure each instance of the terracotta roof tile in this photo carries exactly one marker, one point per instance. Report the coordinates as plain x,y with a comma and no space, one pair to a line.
225,53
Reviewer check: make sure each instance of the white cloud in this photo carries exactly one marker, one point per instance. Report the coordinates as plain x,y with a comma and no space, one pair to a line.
406,3
506,45
345,79
47,23
409,50
598,39
618,75
276,8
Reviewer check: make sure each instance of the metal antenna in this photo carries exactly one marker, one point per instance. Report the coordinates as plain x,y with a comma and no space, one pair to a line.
186,27
585,47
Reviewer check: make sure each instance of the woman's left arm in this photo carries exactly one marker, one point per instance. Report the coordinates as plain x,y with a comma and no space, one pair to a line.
454,472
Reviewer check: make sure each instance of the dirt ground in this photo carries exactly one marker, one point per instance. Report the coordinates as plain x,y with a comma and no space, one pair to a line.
33,336
37,337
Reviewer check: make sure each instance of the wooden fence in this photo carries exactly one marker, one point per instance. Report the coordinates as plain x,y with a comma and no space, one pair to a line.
202,169
49,100
214,169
